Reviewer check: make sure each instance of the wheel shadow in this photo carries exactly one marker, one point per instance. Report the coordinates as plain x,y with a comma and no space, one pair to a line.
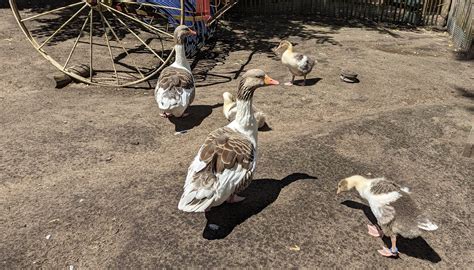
417,247
197,114
222,220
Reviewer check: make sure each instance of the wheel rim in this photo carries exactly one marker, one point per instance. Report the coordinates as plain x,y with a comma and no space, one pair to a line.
122,49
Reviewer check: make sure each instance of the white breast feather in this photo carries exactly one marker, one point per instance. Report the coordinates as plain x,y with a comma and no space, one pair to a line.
377,202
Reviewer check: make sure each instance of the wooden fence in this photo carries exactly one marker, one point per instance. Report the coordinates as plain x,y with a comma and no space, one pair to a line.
416,12
460,24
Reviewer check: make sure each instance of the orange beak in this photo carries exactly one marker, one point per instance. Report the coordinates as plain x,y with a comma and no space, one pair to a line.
192,32
270,81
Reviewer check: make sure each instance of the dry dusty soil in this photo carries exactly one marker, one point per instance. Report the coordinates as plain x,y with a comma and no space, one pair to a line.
101,173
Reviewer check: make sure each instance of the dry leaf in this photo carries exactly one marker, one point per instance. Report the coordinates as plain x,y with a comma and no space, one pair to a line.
295,248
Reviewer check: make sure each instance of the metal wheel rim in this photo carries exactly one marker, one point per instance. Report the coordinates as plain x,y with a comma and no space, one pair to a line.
63,69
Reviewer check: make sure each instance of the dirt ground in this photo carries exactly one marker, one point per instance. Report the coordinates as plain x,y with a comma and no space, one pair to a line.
99,172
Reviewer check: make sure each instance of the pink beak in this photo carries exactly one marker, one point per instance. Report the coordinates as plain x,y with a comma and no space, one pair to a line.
270,81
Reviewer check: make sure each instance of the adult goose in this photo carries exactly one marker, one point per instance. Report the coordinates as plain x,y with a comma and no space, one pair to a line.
224,164
175,89
392,206
297,63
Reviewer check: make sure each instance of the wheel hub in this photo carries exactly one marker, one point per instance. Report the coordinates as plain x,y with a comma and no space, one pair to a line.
95,3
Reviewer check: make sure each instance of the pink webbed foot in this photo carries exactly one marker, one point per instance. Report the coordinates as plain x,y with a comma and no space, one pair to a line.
387,252
235,199
374,231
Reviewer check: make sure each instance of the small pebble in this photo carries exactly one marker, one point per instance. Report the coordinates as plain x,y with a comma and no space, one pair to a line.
108,159
135,143
71,267
81,200
48,236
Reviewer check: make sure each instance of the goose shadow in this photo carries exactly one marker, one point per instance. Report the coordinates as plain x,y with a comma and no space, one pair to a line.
265,128
197,114
222,220
309,82
417,247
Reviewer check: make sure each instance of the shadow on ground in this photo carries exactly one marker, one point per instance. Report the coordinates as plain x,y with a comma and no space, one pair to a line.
197,114
309,82
221,220
416,247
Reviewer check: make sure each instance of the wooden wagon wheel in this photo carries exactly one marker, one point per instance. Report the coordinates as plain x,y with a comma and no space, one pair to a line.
121,48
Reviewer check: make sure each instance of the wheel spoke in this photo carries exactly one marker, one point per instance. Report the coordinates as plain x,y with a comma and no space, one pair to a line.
183,12
137,20
123,47
51,11
76,41
62,26
90,42
108,46
141,40
150,5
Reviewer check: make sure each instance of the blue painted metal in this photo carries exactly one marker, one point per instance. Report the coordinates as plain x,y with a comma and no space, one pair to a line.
204,32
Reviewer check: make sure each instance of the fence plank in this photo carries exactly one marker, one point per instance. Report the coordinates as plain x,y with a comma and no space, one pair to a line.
427,12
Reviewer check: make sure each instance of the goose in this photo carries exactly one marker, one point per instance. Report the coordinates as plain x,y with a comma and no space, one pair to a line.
392,206
225,163
230,110
298,64
175,91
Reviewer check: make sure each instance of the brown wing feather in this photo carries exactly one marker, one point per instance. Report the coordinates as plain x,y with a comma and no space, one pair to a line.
228,148
173,81
384,186
308,65
172,77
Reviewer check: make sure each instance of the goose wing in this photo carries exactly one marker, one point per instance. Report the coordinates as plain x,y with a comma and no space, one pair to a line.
175,87
224,165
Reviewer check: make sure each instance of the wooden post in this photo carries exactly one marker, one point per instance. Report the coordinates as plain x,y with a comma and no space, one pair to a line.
444,13
469,147
183,13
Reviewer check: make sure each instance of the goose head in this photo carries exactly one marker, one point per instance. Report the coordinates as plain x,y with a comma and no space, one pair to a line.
228,97
181,32
350,183
284,44
251,80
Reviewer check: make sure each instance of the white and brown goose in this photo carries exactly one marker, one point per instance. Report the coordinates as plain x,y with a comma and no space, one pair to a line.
230,110
297,63
392,206
224,165
175,91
